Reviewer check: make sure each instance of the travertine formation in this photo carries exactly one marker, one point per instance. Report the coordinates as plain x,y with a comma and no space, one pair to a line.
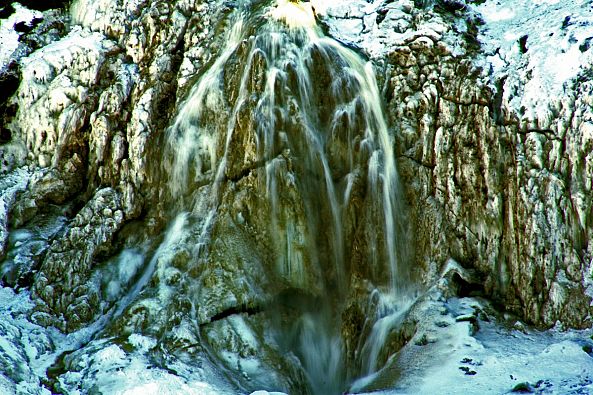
502,190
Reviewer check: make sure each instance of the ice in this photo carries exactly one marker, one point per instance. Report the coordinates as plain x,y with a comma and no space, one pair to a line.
10,185
119,274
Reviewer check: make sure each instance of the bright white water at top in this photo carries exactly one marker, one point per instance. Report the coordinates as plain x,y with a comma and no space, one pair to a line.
295,15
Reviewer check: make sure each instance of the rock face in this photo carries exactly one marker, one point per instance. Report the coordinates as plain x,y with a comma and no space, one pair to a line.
507,192
167,146
496,170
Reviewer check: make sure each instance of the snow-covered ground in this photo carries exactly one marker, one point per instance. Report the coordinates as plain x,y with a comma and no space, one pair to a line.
459,348
28,350
457,351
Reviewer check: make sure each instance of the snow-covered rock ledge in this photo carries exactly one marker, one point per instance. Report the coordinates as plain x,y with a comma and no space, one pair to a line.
535,51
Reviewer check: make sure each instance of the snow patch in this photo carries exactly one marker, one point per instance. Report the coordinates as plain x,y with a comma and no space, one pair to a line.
142,343
473,352
356,23
538,46
8,36
28,350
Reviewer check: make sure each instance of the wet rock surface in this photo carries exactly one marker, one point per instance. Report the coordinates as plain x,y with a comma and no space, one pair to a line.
494,177
506,190
495,158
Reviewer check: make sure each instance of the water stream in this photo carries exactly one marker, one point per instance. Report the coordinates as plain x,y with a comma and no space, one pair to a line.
303,113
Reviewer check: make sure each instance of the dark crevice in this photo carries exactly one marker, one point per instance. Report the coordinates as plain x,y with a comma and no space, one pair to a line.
523,44
496,104
584,47
244,173
6,11
547,133
10,79
381,14
165,106
291,299
5,135
459,102
26,27
449,6
237,310
297,299
44,5
566,23
54,371
418,162
466,288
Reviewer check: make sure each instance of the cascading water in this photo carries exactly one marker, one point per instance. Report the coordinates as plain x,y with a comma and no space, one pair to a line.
301,115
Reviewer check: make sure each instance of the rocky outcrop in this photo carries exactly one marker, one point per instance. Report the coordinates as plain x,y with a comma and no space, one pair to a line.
63,281
91,107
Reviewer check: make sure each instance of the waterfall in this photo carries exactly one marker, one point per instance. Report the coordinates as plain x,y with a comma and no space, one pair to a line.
302,114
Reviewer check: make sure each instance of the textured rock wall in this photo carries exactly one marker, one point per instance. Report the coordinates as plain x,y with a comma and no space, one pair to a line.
503,193
91,110
500,188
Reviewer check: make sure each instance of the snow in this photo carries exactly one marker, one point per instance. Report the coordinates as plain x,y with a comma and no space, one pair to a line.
356,23
44,64
99,365
321,6
114,371
294,14
504,358
555,34
490,358
140,342
8,36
